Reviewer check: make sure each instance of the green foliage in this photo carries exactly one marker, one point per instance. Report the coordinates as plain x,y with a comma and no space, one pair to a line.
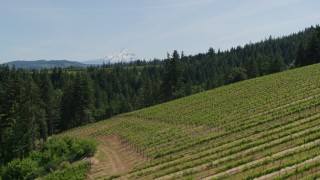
58,150
78,102
22,116
277,64
236,75
56,153
77,172
82,148
311,53
22,169
252,69
172,77
300,57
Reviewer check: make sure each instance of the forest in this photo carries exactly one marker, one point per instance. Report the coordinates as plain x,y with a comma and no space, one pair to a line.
35,104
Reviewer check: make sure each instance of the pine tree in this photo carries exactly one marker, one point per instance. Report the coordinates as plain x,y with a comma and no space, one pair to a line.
83,99
311,53
25,117
300,57
277,64
147,94
4,92
172,77
237,74
317,59
211,52
67,107
252,69
51,101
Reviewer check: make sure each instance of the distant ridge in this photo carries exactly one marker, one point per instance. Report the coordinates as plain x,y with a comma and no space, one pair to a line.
42,64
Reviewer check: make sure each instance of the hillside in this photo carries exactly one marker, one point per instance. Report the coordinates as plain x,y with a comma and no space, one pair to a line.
264,128
42,64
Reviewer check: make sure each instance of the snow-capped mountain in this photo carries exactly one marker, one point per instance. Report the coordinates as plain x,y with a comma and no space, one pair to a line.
124,56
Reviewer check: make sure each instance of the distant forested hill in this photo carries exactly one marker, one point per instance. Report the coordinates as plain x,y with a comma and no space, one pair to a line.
42,64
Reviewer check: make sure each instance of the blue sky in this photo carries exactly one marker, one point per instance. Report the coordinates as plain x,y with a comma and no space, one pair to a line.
87,30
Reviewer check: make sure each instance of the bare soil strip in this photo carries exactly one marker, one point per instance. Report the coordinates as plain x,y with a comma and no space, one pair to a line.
113,158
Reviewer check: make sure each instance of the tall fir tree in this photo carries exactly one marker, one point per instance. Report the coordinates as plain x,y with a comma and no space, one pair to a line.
252,69
83,99
51,101
25,119
312,50
172,81
317,59
300,57
276,64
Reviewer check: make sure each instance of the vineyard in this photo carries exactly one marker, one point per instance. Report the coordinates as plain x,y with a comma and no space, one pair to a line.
263,128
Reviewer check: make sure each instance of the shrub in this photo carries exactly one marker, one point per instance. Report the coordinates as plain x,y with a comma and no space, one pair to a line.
78,172
64,165
22,169
82,148
56,153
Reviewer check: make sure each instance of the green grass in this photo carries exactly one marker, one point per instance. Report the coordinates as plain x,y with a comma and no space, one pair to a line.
242,130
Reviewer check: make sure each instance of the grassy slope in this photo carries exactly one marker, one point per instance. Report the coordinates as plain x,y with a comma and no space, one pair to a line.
264,127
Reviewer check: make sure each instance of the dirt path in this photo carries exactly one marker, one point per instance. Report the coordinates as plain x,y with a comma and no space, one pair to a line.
116,163
113,159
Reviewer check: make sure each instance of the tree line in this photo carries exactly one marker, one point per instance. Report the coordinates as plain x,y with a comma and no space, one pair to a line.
38,103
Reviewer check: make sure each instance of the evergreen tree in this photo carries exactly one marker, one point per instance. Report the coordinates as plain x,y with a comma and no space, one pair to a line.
83,99
312,50
277,64
5,78
67,107
310,54
300,57
147,94
172,77
33,120
252,69
211,52
25,119
51,101
57,78
317,59
237,74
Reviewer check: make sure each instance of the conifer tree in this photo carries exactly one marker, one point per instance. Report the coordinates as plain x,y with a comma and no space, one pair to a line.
25,119
300,57
277,64
252,70
311,53
51,101
172,77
